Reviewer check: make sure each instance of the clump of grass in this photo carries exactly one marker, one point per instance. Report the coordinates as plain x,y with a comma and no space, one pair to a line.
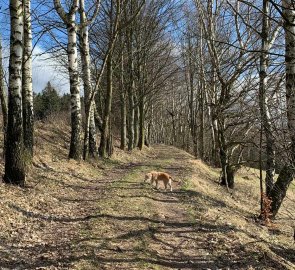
186,185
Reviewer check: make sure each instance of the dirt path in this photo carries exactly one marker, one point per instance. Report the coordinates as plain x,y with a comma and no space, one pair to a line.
115,221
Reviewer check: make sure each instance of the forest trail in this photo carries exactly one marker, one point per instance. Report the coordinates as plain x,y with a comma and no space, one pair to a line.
108,218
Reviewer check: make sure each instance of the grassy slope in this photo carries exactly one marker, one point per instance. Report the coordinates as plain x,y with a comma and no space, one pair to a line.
100,215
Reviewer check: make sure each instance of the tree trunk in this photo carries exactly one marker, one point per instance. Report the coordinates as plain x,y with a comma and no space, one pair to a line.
98,120
214,150
227,178
190,86
131,87
123,120
141,123
289,25
264,111
279,190
3,99
213,121
76,118
151,135
200,98
136,124
123,100
107,110
201,123
89,129
141,103
131,115
287,174
27,86
14,155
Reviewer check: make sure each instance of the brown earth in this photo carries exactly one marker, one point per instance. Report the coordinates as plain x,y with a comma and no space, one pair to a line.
100,214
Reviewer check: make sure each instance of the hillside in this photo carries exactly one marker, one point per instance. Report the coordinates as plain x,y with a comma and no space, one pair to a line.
100,214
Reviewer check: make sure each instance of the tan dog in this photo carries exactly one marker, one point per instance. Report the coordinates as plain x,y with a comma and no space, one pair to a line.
154,176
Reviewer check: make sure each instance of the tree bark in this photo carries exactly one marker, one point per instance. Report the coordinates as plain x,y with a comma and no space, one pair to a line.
227,178
201,121
141,123
264,111
130,87
136,123
289,25
107,111
123,99
27,85
190,86
123,120
131,115
287,174
141,104
76,118
3,99
14,155
200,98
89,129
279,190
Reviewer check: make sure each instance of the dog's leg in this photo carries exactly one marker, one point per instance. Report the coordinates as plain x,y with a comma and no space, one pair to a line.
147,177
157,184
154,179
170,184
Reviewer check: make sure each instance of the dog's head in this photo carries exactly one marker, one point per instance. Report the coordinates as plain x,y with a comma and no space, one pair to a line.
148,177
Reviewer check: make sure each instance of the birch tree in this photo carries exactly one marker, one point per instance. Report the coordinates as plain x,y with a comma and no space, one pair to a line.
3,97
27,86
14,154
69,20
266,43
89,91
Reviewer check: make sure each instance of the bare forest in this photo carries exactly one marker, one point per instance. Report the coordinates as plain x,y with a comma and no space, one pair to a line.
147,134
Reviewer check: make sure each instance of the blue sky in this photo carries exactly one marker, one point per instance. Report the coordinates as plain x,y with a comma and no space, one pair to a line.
45,67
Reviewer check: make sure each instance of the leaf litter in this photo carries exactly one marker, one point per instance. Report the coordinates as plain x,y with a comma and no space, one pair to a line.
100,215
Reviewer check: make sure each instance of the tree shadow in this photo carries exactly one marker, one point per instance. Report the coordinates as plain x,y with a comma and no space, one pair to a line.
150,198
66,253
132,241
165,245
286,253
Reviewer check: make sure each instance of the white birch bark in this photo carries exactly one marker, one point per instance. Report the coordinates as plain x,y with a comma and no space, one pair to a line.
76,119
27,85
3,97
90,130
14,155
264,110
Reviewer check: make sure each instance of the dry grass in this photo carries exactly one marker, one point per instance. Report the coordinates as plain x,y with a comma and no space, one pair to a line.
100,215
